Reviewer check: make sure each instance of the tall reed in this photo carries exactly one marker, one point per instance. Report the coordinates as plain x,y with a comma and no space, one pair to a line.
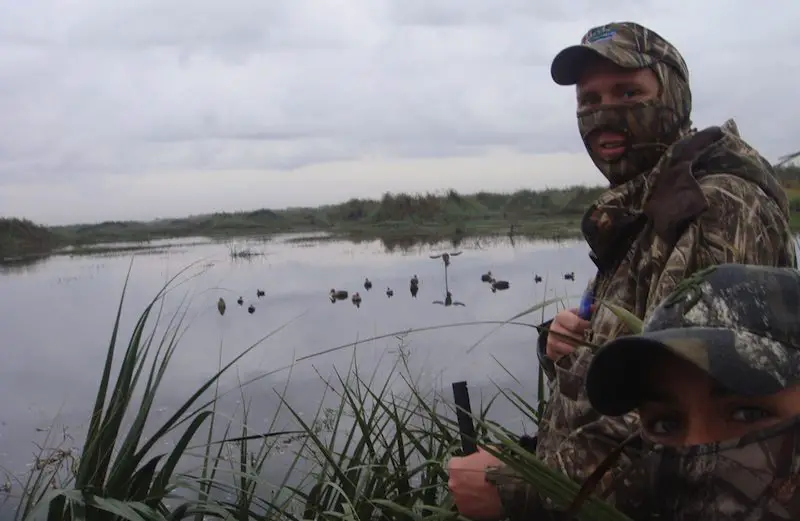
376,454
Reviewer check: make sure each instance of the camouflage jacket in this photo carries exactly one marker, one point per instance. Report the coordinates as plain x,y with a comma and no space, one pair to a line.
711,199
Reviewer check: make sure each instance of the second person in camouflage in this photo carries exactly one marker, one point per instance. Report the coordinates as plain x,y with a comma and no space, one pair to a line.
715,377
679,200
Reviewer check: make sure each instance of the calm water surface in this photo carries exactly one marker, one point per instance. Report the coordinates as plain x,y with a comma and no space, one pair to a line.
56,319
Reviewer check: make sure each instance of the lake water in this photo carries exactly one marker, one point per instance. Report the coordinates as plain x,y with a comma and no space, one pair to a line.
56,317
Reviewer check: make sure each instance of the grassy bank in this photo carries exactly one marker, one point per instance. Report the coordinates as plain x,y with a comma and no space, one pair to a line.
377,455
429,215
395,218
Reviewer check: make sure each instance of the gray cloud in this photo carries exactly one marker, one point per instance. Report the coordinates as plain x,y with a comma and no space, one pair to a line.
133,89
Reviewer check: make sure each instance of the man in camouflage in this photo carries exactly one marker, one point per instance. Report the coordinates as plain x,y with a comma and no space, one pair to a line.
679,200
734,329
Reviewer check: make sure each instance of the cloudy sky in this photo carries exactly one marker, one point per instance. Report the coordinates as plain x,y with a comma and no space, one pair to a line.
137,109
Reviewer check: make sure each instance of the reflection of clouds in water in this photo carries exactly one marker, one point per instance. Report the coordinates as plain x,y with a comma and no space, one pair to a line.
57,369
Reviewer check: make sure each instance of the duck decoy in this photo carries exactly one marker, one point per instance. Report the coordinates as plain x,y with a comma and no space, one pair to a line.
338,295
356,299
367,284
499,285
569,276
389,292
537,279
446,257
240,301
486,277
221,306
251,309
259,293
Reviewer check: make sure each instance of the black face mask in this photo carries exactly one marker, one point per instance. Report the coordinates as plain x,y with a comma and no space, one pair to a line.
753,478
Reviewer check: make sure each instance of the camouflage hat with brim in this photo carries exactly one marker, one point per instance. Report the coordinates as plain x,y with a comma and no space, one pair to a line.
626,44
738,323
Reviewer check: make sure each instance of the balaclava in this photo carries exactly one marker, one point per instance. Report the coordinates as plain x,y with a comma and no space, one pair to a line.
650,126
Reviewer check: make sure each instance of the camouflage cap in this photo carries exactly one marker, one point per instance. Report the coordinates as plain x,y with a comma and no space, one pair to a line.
627,44
739,323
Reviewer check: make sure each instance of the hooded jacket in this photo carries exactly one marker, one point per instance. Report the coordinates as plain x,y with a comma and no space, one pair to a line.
711,199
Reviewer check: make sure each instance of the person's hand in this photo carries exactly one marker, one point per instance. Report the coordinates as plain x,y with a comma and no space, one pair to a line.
566,322
474,497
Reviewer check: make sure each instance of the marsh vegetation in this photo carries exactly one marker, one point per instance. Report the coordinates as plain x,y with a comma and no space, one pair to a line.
394,218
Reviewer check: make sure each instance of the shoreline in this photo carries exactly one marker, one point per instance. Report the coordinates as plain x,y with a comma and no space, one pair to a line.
407,237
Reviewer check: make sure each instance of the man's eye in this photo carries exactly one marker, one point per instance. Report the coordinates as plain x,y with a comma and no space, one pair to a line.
750,414
631,93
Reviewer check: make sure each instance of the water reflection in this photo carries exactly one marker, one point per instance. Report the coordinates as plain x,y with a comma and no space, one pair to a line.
294,277
448,301
22,266
411,244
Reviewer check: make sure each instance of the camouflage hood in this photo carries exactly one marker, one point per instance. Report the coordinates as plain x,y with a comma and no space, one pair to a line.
612,222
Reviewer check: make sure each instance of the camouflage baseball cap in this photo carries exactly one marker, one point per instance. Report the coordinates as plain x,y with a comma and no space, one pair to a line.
627,44
739,323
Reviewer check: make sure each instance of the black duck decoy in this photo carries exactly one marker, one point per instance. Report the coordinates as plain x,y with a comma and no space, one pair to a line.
338,295
499,285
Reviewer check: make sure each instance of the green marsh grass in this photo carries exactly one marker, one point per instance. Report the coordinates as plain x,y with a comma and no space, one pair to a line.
377,454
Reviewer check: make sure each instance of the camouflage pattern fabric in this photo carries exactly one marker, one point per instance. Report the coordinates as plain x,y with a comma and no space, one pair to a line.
711,199
739,216
650,126
627,44
739,324
753,478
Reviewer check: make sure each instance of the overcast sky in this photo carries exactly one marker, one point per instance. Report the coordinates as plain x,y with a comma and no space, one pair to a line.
137,109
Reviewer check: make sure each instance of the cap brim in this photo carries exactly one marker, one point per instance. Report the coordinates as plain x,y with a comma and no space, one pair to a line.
618,379
569,64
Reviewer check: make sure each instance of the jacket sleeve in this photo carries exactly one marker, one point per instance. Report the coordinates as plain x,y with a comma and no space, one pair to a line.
541,352
541,346
742,225
520,501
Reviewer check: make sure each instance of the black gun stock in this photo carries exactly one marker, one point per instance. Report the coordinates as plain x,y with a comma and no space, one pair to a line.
466,427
